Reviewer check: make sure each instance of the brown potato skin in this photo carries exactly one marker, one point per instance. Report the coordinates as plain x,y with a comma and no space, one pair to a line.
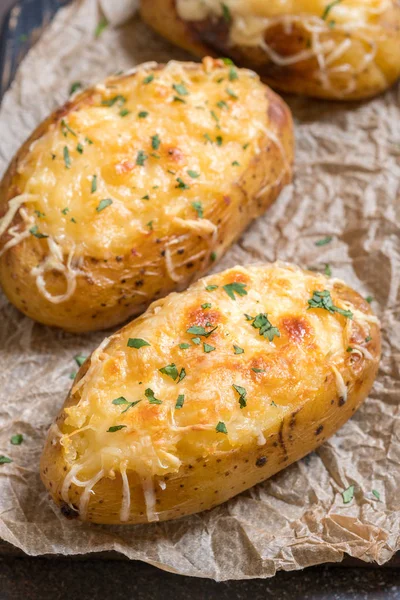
101,300
211,37
210,481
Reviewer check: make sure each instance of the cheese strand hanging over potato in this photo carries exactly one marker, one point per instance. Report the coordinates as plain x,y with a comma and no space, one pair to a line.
340,49
210,392
136,187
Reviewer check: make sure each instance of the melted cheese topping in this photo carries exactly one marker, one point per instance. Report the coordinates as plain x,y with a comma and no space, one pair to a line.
327,25
309,359
140,153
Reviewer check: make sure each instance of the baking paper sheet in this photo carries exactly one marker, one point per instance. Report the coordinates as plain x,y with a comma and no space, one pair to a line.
347,186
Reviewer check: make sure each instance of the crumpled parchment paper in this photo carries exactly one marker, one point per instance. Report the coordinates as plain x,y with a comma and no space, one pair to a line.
346,186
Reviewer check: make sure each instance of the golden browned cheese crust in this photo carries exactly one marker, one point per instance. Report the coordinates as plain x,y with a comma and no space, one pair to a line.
210,392
347,49
136,187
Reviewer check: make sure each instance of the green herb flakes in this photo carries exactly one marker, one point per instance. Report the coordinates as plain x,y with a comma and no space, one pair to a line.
193,174
226,13
198,207
180,400
207,348
235,288
4,459
242,395
155,141
17,439
222,105
148,79
233,74
348,494
376,494
65,128
232,94
79,148
35,231
221,427
329,7
75,86
266,329
238,349
115,428
258,370
93,186
235,163
369,299
124,112
184,346
120,400
103,204
101,26
198,330
213,257
67,158
196,340
143,114
137,343
65,210
141,158
120,100
80,359
170,370
151,397
327,270
181,184
211,288
206,305
324,241
182,375
368,339
324,300
180,89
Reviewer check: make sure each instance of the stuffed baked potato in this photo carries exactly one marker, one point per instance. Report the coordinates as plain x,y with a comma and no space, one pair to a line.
135,187
340,49
210,392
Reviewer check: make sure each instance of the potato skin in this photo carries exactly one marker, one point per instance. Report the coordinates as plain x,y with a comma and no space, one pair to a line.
213,471
113,286
211,36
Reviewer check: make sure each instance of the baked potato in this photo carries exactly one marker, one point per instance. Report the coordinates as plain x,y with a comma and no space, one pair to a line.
210,392
340,49
135,187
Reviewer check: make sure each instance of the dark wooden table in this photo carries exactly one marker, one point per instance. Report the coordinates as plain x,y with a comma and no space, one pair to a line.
110,576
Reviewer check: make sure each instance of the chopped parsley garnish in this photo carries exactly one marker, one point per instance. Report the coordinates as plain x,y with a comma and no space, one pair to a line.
181,184
182,375
180,400
177,99
151,397
235,163
141,158
369,299
249,317
65,210
327,270
348,494
245,146
242,395
235,288
226,13
123,401
79,148
184,346
213,257
72,375
324,300
222,105
80,359
148,79
206,305
258,370
349,349
221,427
111,101
198,207
219,140
180,89
101,26
39,214
196,340
115,428
137,343
35,231
207,348
198,330
155,141
72,220
65,128
143,114
150,225
103,204
93,187
324,241
146,197
76,85
265,327
4,459
67,158
88,141
233,74
214,116
208,138
368,339
232,94
193,174
329,7
376,494
123,112
273,403
17,439
238,349
170,370
211,288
